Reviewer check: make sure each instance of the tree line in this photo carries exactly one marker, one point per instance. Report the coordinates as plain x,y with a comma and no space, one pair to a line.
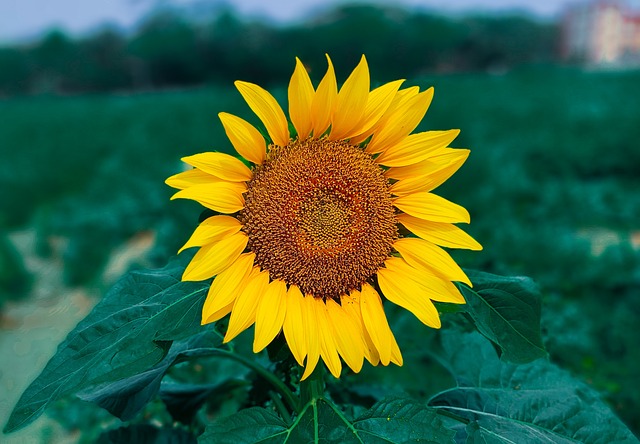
169,49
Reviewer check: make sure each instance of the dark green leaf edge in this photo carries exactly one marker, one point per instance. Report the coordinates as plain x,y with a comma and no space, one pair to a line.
119,338
514,328
535,402
125,398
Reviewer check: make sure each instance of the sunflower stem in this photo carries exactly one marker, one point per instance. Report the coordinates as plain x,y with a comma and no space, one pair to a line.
280,407
277,384
313,387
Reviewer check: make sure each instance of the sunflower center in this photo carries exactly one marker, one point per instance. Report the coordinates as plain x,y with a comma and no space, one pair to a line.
319,215
325,220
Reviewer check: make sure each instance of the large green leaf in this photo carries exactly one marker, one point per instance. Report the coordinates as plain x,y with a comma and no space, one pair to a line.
389,421
126,397
401,421
536,402
250,425
127,333
507,311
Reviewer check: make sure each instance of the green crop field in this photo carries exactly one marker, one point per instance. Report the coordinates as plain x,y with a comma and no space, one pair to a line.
552,185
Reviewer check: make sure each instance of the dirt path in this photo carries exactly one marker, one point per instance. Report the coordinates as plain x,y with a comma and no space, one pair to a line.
30,331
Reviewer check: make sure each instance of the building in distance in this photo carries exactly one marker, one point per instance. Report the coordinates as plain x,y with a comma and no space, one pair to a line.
601,33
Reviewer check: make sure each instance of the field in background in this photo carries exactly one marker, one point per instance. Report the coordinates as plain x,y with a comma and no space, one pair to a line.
552,186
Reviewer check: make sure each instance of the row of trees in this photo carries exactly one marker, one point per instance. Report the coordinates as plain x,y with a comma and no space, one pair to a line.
169,49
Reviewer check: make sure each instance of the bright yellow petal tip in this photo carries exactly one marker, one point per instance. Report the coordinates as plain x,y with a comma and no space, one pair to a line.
324,101
268,111
270,314
301,94
351,103
246,140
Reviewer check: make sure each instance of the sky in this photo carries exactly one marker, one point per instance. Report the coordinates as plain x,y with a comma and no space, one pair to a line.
25,19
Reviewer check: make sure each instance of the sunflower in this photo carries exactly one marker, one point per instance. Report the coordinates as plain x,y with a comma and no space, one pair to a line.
325,221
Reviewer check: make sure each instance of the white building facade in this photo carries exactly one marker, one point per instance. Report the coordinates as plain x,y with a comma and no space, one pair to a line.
601,33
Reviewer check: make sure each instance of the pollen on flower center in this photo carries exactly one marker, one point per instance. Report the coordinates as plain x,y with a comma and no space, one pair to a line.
319,215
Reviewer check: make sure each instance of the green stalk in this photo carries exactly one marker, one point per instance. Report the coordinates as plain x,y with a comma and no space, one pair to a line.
313,387
280,387
280,407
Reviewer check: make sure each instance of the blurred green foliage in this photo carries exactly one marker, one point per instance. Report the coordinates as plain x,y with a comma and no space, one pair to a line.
168,49
14,279
551,185
554,153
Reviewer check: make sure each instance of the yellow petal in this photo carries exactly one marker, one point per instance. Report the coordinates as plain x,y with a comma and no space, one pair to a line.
220,165
243,314
443,234
226,286
294,328
410,186
398,101
324,102
431,207
402,291
351,102
213,229
439,174
328,347
312,336
396,355
212,259
223,197
270,314
190,178
416,148
375,322
347,337
216,316
433,286
456,158
438,160
351,305
378,102
401,122
424,254
300,97
247,141
268,111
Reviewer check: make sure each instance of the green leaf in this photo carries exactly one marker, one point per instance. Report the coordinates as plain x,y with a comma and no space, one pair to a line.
506,310
322,422
126,397
247,426
127,333
536,402
390,421
401,421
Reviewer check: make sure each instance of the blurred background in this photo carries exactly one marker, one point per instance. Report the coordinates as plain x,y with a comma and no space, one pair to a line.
99,100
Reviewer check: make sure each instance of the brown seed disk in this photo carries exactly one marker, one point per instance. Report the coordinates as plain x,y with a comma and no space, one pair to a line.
319,215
